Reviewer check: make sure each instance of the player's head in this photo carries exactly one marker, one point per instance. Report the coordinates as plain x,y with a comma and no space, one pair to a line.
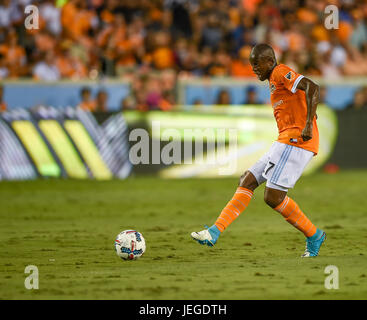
85,93
102,95
263,61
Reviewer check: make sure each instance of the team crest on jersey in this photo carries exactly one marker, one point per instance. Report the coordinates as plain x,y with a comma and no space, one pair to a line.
272,88
289,75
278,103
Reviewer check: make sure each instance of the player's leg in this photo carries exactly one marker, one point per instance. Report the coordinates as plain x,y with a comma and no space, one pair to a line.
289,209
289,163
249,181
239,202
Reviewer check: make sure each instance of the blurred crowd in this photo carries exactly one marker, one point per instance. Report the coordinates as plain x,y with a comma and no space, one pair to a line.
153,42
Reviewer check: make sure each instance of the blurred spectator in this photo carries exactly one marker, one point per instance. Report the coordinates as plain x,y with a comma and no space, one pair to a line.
87,103
197,102
77,20
51,14
323,94
119,47
338,53
220,65
101,101
192,37
9,14
223,98
358,38
242,34
181,21
44,41
162,56
251,96
4,71
70,66
241,67
127,103
153,93
3,106
186,56
356,63
167,101
212,34
205,61
359,101
14,54
328,69
46,70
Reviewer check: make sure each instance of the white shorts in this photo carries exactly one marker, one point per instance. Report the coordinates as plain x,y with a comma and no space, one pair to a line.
281,166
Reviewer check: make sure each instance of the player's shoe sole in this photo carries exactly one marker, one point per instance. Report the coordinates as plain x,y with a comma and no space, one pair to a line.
313,246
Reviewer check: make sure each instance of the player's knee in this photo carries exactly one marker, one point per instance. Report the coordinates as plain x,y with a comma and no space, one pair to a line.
273,198
248,181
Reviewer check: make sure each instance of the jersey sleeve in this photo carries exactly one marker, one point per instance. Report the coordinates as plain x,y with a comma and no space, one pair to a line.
288,78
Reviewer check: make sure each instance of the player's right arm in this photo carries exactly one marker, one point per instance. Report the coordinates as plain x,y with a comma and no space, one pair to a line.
312,91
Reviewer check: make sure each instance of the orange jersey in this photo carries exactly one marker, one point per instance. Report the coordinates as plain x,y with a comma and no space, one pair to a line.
88,105
2,106
290,108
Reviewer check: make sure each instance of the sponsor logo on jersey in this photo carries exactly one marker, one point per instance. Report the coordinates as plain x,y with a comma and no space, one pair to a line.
277,103
289,75
272,88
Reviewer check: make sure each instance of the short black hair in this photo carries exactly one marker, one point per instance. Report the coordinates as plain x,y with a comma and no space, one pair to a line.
251,89
101,91
84,90
263,49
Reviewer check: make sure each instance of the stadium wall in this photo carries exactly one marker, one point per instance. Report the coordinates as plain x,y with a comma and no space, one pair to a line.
27,93
339,93
61,94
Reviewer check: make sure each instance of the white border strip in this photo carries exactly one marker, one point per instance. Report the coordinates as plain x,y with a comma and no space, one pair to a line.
294,88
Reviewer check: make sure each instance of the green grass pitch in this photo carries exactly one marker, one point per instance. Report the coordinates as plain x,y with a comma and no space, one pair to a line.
67,229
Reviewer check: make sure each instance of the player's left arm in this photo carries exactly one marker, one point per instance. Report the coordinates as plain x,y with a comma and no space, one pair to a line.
312,91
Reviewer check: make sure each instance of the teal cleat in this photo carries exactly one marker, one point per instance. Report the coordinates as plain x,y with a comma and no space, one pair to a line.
314,243
208,237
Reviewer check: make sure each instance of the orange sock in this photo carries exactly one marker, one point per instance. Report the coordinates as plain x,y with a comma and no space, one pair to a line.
232,210
293,214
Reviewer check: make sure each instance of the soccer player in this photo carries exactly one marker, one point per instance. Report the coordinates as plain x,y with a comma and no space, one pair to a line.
294,99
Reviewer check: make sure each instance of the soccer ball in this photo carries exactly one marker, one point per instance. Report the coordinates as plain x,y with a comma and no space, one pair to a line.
130,245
